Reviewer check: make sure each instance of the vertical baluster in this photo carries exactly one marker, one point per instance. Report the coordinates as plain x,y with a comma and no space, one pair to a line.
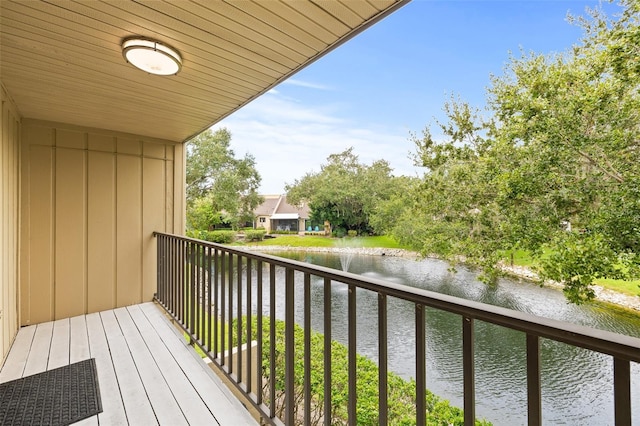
159,270
192,289
307,348
468,371
230,314
272,340
203,298
239,319
352,367
249,333
209,298
197,295
216,283
172,278
383,388
622,391
180,285
259,331
184,284
327,351
223,303
200,292
421,385
289,352
534,399
174,275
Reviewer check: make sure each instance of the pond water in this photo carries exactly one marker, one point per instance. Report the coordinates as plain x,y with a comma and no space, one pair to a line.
577,384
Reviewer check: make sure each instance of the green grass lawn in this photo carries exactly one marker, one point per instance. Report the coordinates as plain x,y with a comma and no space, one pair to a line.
522,258
382,241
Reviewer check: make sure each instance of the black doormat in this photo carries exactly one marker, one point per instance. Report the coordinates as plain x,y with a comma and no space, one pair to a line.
61,396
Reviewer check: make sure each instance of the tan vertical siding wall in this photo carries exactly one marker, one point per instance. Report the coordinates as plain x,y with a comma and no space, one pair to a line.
9,221
91,202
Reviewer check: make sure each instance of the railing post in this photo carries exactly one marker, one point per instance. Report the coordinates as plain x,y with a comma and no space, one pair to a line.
421,385
209,299
216,301
468,371
160,284
534,402
239,318
327,351
307,348
289,352
383,388
223,302
192,290
622,391
230,315
353,418
249,327
272,341
259,331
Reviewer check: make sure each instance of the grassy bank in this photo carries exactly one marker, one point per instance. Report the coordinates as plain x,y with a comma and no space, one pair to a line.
524,259
520,257
381,241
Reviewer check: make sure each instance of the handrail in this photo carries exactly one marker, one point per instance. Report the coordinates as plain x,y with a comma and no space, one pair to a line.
207,263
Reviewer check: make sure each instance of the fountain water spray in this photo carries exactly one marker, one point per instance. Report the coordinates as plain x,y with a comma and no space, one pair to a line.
346,255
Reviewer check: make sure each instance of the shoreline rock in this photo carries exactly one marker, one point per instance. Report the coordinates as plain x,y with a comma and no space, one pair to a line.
369,251
602,294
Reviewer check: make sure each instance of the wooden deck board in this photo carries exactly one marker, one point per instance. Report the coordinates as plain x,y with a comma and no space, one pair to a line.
134,397
186,395
59,350
13,367
215,397
78,339
112,406
162,401
147,372
38,357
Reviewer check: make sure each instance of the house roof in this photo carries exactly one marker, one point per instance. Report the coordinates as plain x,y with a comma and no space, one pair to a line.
276,207
62,61
268,206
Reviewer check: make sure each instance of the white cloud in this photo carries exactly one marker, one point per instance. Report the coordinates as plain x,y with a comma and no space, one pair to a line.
289,139
308,85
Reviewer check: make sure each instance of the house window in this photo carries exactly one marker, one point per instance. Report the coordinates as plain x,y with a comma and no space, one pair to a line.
262,220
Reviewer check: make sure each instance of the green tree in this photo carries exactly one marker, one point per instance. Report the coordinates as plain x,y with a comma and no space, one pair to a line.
560,147
220,187
345,191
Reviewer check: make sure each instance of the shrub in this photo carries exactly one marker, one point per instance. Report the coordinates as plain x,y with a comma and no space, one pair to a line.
401,402
220,237
196,233
352,233
254,235
339,233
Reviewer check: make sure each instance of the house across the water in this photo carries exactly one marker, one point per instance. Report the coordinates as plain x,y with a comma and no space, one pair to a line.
275,214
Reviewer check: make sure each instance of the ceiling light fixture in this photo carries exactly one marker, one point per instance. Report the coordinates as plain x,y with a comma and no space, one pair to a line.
151,56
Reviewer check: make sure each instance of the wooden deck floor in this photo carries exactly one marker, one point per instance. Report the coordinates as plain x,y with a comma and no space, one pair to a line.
146,371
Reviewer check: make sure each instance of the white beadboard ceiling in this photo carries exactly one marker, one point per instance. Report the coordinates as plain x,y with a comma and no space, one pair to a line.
62,60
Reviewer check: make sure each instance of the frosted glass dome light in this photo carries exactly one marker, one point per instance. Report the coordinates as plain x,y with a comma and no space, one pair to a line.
151,56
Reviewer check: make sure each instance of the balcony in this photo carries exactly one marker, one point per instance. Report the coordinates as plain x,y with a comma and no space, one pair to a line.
150,374
206,287
147,373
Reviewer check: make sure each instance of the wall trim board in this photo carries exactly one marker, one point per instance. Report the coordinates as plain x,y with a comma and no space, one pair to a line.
10,206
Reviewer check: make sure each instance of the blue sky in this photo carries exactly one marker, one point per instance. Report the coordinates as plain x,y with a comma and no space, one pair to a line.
391,80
